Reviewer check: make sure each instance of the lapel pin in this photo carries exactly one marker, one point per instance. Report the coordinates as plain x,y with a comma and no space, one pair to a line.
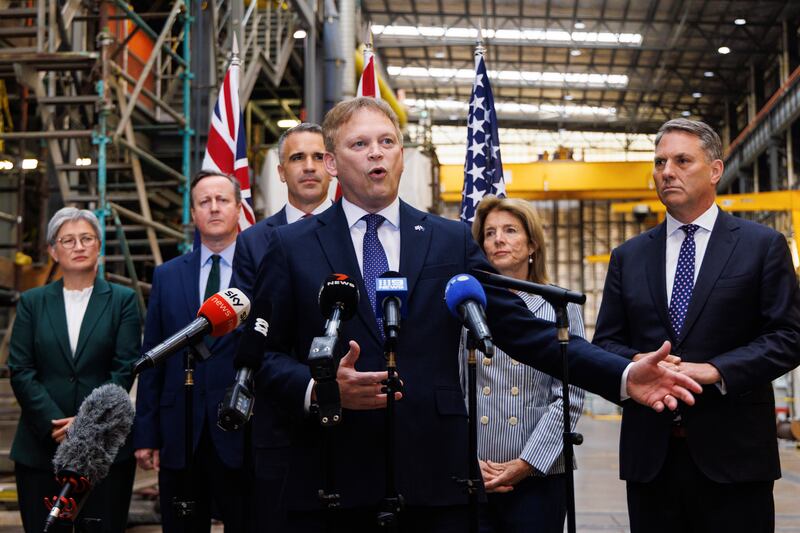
419,227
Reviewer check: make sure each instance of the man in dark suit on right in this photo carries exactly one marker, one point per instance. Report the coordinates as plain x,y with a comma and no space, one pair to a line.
724,292
300,153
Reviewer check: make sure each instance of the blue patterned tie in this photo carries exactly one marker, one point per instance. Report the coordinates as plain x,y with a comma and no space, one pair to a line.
684,280
375,262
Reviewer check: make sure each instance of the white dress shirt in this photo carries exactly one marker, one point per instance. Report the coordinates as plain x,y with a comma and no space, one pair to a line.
675,237
293,214
75,304
388,232
225,267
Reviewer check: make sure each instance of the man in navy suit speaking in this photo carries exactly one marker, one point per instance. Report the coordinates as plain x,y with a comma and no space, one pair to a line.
369,232
723,291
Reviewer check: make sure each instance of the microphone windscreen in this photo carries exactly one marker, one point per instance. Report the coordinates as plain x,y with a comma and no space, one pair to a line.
460,288
96,434
391,284
225,310
338,290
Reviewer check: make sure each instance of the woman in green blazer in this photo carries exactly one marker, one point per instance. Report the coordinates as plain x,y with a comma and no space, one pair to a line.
70,337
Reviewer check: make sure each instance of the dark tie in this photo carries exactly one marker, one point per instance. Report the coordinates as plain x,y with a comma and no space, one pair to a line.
306,215
684,280
212,285
375,262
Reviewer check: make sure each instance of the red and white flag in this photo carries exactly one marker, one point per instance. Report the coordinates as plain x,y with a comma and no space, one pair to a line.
226,150
368,84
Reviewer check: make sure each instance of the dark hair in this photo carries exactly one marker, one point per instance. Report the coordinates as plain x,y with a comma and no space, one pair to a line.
208,173
305,127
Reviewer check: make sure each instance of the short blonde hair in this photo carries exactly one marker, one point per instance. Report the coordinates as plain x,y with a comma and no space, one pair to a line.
342,112
529,218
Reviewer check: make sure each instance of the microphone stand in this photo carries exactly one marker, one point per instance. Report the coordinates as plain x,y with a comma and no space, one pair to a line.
392,503
558,297
475,479
184,504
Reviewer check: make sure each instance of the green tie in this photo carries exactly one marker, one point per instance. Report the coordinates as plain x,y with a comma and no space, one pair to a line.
212,285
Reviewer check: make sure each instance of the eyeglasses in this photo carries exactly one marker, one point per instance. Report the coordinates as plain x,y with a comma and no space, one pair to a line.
69,242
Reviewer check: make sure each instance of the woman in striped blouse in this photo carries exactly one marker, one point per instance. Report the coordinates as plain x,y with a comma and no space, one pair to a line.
519,409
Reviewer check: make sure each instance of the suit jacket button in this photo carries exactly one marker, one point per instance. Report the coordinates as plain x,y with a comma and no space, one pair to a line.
514,391
487,391
72,379
513,420
487,361
484,420
514,362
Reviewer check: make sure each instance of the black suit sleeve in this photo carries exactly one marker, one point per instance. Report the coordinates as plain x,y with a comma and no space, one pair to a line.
244,271
612,331
775,351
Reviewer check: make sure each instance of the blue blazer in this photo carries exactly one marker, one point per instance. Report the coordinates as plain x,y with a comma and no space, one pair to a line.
743,317
159,422
251,245
431,417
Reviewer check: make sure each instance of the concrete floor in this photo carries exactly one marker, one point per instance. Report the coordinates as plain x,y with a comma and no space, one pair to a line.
599,494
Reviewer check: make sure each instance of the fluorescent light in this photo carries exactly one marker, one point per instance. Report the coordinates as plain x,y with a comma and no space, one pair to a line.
287,123
686,113
83,162
300,34
449,106
29,164
708,74
724,50
523,34
568,97
5,164
697,94
740,21
574,52
555,79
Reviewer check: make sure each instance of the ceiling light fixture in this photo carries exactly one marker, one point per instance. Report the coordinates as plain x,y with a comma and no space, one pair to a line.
740,21
574,52
724,50
579,25
286,123
29,164
568,97
686,113
708,74
300,34
697,94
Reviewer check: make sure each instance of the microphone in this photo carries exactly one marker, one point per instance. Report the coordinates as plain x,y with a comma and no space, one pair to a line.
554,294
84,457
218,316
236,407
466,300
391,294
338,301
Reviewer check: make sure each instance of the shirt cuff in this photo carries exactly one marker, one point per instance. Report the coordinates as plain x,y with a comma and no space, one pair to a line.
623,386
721,386
307,399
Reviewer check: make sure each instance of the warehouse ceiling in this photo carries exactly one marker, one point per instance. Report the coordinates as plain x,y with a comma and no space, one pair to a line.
588,65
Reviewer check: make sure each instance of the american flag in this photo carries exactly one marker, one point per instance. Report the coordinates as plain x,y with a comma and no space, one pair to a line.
483,170
226,150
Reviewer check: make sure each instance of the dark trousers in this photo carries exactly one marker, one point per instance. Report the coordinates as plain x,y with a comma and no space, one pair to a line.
108,501
536,505
213,484
681,499
447,519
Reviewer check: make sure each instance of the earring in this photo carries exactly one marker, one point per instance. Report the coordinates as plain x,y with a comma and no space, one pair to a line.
530,259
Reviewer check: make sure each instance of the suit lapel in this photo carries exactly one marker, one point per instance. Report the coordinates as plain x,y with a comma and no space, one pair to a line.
656,273
720,246
190,279
57,315
98,302
415,237
334,238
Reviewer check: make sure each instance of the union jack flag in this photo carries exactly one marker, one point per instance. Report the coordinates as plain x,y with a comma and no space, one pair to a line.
226,150
483,170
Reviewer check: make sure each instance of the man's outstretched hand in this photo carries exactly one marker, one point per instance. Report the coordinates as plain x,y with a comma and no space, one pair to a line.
653,385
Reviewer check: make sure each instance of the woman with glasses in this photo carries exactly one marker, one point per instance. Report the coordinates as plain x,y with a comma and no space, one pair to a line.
70,337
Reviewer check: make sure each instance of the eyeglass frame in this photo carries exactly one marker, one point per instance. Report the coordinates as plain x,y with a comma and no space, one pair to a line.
83,238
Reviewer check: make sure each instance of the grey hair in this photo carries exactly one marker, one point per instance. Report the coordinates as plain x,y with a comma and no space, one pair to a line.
305,127
210,173
709,139
70,214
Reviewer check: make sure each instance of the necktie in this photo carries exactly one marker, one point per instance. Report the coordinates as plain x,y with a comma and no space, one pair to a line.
212,284
375,262
684,280
306,215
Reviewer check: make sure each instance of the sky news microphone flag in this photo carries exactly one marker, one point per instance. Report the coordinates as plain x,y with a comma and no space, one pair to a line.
483,170
226,150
